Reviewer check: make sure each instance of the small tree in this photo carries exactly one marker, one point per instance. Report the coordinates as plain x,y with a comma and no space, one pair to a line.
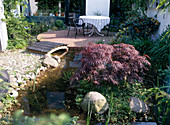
111,64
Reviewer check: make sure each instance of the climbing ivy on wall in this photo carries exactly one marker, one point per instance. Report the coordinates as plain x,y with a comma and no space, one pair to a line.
17,27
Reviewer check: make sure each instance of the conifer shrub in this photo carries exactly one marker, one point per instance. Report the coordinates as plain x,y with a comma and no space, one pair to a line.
110,64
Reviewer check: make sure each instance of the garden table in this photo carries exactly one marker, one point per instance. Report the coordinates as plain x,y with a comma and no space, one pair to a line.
97,22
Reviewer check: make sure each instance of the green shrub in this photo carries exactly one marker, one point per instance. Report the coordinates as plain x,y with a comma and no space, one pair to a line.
59,24
17,28
38,28
139,26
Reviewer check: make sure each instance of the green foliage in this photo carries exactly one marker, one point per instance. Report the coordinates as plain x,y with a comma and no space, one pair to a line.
117,97
164,4
6,102
48,4
159,53
139,5
19,119
17,27
44,26
139,26
161,104
59,24
38,28
67,75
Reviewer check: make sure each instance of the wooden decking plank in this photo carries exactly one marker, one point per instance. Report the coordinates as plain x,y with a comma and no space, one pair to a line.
42,46
49,44
45,46
52,43
38,49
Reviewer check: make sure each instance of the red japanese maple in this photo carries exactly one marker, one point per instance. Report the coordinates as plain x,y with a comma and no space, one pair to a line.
111,63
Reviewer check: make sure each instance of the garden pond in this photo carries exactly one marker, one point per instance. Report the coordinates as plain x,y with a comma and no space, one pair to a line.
50,92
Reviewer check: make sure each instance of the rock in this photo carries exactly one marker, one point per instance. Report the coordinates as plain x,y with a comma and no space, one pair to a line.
13,81
13,93
18,75
98,103
138,105
57,58
50,62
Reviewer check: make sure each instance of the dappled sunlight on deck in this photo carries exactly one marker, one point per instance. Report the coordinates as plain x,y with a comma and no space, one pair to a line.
61,37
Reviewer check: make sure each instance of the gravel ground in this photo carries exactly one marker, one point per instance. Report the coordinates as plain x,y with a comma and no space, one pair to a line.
20,64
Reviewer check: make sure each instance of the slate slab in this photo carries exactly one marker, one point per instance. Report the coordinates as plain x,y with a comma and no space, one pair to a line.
144,123
75,64
55,100
5,77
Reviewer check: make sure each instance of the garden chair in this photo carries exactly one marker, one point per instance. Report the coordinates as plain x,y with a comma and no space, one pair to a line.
74,22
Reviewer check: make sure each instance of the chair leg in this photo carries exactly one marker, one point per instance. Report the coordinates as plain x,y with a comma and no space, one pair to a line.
68,31
108,32
83,31
76,32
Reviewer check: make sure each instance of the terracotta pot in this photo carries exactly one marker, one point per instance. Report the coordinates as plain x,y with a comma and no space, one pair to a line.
62,14
56,14
35,14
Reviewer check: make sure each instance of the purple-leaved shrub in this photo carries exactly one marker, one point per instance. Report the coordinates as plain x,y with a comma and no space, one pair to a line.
111,64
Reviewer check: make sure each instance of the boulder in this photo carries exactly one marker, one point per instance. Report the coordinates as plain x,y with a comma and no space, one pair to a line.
50,62
138,105
98,103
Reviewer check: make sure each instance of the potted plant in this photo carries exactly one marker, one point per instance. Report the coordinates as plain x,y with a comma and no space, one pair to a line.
62,12
56,9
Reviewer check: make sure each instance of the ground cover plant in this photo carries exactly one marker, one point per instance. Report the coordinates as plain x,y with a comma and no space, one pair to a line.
118,97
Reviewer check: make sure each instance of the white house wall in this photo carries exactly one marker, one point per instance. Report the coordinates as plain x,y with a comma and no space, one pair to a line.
98,6
163,18
3,29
